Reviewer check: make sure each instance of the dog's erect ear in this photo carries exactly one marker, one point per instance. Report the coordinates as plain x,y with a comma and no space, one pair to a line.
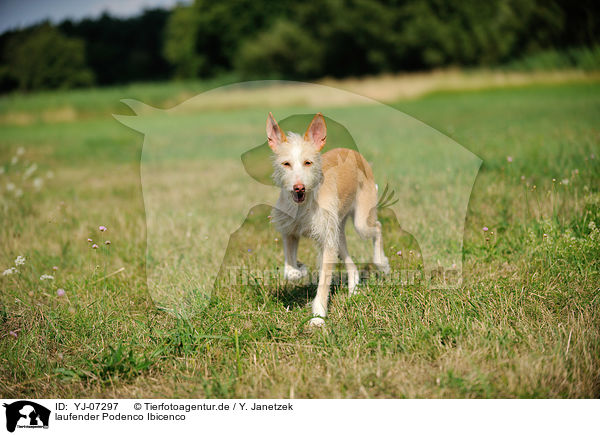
275,135
317,131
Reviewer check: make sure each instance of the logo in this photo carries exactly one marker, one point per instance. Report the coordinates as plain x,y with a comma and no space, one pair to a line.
429,171
26,414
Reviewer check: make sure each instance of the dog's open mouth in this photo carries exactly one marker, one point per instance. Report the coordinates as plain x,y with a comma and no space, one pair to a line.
299,196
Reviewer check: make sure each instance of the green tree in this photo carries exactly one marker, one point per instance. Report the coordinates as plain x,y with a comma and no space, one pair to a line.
283,51
437,33
43,58
341,38
203,39
359,36
180,42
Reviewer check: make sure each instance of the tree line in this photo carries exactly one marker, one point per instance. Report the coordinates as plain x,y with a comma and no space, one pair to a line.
292,40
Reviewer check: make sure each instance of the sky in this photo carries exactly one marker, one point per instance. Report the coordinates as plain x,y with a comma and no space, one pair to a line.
19,13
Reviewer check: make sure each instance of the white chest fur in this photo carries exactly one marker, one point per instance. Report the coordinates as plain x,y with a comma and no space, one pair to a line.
308,219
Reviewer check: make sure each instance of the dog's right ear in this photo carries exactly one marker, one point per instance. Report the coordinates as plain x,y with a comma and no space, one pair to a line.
317,131
275,135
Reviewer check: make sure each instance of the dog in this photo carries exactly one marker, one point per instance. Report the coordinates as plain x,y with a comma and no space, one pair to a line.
319,192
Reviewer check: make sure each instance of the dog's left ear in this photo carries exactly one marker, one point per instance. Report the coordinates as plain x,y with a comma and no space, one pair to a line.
317,131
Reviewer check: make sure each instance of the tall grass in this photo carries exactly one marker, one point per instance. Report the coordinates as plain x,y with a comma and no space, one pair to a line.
584,58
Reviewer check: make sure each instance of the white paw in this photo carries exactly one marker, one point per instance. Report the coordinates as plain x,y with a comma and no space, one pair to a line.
303,269
317,321
291,273
384,265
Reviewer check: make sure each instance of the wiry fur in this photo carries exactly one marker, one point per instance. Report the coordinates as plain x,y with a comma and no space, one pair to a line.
336,185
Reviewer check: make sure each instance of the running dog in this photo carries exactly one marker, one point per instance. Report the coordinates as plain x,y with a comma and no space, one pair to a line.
318,194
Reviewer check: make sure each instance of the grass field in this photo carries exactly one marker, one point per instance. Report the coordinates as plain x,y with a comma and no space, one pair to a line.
525,322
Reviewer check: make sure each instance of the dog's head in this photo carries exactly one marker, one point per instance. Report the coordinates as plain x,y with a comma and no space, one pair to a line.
297,159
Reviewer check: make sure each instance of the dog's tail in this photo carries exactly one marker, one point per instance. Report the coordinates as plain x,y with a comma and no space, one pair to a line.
387,198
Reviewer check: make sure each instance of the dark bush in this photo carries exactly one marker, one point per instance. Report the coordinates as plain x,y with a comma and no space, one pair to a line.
43,58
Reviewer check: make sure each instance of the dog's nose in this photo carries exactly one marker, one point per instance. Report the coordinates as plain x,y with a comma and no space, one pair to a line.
298,187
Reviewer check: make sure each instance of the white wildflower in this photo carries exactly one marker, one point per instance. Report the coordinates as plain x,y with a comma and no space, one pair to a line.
14,160
45,277
565,181
10,187
9,271
20,151
38,183
20,261
49,175
30,170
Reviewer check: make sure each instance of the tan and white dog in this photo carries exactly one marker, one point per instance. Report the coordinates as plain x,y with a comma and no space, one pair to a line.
318,194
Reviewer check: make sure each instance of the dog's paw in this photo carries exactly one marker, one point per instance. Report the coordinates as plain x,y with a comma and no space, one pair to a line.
352,291
302,268
316,321
384,266
295,273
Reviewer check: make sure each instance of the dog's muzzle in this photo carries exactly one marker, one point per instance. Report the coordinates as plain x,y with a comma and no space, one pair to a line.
299,193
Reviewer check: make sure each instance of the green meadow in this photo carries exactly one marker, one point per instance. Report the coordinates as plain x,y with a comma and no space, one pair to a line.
79,321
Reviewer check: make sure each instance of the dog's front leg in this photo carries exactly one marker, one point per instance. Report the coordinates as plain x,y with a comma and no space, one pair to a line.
291,271
319,307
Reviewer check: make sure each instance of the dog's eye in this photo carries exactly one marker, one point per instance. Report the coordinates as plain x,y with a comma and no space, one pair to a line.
307,163
286,164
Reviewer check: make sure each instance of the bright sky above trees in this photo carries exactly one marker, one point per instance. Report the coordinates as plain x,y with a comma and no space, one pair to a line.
18,13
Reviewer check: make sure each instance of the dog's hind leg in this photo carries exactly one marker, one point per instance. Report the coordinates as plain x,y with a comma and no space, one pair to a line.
367,225
353,275
379,258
